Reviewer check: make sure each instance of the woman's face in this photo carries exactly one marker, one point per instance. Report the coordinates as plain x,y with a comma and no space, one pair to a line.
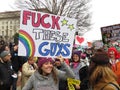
75,58
47,68
31,61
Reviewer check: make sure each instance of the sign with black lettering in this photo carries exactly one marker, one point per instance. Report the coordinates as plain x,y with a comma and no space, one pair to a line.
111,35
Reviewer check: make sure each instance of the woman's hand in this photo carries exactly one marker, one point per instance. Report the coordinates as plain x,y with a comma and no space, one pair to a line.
60,58
77,86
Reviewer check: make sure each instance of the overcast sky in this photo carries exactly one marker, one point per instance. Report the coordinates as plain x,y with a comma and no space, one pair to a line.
7,5
104,13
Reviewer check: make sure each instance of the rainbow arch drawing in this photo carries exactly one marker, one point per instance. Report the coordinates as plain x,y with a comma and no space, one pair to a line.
28,42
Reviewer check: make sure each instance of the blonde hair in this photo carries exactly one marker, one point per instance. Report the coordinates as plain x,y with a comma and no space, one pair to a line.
101,72
32,58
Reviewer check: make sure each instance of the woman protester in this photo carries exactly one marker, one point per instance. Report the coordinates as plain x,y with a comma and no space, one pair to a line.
47,76
28,69
76,65
101,75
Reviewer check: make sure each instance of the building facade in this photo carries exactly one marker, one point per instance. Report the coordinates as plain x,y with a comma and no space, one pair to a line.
9,24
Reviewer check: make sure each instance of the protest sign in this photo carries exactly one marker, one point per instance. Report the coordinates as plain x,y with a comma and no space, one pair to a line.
111,35
45,35
72,83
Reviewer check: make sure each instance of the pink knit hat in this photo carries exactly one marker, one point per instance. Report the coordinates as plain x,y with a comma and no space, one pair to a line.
77,53
42,60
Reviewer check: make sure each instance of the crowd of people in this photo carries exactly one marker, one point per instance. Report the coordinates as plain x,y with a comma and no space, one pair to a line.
95,69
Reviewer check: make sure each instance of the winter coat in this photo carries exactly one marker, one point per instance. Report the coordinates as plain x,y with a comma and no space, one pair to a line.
6,72
105,86
27,71
83,73
76,70
40,82
17,61
62,83
116,70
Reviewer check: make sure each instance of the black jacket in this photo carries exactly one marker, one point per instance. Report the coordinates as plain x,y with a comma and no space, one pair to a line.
5,73
84,77
17,61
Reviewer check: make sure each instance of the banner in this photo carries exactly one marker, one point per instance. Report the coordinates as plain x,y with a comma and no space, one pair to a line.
45,35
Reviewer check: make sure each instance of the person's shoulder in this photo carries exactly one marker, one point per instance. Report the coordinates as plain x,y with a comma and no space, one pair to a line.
117,60
111,86
25,64
34,75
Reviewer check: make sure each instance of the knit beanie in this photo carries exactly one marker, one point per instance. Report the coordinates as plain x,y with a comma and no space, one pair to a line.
100,58
4,53
42,60
77,53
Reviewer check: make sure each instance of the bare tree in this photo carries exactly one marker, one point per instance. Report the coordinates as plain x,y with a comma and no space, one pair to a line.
78,9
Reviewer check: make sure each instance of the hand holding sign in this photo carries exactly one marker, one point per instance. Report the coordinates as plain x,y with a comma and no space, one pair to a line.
60,58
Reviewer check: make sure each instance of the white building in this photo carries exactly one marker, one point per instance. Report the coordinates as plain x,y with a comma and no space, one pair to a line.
9,24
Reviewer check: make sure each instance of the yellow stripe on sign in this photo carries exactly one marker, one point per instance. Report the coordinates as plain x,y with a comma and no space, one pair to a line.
70,86
73,81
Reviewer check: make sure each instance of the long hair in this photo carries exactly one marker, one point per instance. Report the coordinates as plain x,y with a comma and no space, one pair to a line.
101,72
54,74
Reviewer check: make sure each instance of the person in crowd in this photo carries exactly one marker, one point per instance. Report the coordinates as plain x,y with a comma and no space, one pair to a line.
76,65
84,58
114,61
62,83
17,62
84,78
4,47
89,52
2,42
28,69
101,77
10,45
47,76
6,71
